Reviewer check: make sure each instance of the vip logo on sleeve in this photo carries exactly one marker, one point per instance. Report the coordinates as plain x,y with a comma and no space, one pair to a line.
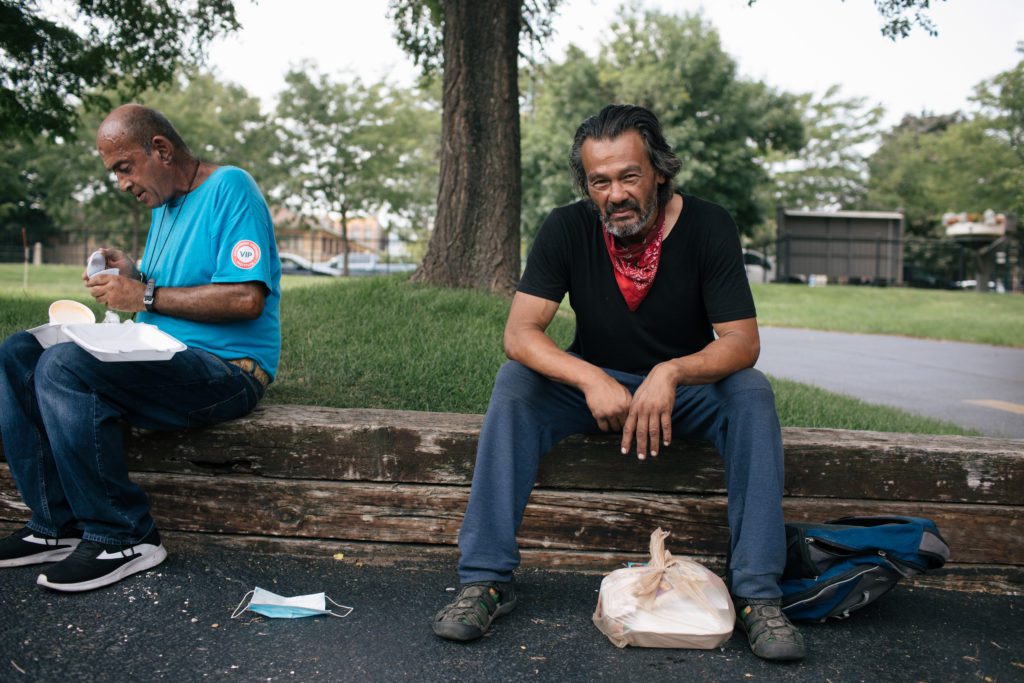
245,254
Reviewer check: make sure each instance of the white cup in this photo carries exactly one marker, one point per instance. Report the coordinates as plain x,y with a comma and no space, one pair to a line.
68,312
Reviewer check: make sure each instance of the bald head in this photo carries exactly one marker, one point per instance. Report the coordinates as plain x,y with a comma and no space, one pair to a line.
138,125
150,160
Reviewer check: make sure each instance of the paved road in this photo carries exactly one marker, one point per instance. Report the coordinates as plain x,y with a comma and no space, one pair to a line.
173,624
972,385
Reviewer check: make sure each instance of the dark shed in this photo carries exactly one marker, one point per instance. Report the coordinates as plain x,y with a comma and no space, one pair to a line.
846,246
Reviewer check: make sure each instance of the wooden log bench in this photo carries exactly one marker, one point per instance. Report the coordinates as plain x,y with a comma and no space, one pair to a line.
384,486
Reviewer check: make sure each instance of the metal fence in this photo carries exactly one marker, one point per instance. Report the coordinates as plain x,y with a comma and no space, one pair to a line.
315,248
911,262
847,260
11,254
933,263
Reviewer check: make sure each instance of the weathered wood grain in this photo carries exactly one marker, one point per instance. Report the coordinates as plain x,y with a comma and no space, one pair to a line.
392,487
994,579
438,448
555,519
991,579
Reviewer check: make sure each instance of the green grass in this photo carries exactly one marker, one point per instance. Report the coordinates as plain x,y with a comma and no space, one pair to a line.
803,405
59,282
385,343
23,308
959,316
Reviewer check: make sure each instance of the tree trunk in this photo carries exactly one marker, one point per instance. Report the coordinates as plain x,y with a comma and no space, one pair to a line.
476,235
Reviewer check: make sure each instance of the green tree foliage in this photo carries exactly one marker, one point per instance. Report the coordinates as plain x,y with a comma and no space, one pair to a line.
221,123
929,165
831,171
419,28
68,185
558,97
351,148
721,125
904,172
57,55
900,16
1002,101
23,197
475,242
410,191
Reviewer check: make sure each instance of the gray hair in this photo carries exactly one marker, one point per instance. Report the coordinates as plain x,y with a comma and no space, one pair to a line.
613,121
141,124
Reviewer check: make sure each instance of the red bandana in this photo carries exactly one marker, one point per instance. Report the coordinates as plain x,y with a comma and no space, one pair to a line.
636,265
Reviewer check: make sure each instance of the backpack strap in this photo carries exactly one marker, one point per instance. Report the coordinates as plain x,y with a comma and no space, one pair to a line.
932,548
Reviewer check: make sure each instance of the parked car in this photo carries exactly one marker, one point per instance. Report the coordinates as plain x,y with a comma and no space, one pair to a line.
364,263
758,266
293,264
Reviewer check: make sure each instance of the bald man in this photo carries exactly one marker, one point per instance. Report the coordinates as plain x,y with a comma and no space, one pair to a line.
210,277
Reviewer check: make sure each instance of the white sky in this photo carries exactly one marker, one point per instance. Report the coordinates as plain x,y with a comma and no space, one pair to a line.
794,45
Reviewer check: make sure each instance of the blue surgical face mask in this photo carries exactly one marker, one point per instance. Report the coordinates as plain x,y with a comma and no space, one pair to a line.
279,607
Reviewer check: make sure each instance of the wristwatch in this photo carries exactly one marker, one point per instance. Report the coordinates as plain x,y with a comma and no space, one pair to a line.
148,295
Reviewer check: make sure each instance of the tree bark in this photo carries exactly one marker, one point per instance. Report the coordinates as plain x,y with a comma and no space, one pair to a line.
476,236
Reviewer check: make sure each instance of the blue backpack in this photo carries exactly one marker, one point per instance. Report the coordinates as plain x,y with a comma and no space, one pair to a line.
835,568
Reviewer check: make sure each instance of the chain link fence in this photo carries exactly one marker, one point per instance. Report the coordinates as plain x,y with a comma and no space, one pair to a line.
922,262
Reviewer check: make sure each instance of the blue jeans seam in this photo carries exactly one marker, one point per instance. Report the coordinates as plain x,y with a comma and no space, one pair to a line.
40,529
210,408
87,536
42,485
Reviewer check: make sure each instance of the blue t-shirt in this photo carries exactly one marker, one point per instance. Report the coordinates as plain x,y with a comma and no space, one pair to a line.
219,232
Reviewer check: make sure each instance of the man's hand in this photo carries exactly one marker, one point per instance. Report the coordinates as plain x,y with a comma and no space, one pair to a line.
608,402
116,259
650,412
117,292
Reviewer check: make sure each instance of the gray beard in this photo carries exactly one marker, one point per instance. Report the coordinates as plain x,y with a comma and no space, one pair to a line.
624,231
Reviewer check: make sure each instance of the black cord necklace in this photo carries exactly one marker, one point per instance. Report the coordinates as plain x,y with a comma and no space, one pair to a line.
160,228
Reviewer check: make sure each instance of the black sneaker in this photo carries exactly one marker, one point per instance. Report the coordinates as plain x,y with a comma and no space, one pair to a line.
94,565
31,547
475,607
769,630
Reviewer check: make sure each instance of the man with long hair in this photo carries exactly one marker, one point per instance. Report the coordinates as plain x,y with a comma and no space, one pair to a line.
666,340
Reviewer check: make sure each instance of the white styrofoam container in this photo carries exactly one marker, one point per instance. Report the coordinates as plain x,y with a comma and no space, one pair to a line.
128,341
49,334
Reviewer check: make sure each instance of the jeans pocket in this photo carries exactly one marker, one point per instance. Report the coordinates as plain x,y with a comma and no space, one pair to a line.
230,408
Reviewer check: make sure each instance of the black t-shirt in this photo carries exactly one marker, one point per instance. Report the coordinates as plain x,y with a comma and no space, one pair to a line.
701,280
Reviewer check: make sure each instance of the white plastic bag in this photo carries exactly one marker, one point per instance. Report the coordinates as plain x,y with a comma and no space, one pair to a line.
671,602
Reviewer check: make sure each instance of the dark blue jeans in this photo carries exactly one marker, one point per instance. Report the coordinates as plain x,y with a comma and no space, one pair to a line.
60,416
528,414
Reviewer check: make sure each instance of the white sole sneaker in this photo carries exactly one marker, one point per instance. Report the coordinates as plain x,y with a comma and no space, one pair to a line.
55,555
147,560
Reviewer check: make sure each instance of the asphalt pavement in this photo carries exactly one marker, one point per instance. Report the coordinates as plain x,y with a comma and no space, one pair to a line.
174,623
973,385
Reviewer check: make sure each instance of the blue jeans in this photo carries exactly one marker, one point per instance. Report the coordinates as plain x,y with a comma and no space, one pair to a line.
60,417
528,414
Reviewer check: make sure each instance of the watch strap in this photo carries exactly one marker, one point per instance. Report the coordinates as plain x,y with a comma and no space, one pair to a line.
149,295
